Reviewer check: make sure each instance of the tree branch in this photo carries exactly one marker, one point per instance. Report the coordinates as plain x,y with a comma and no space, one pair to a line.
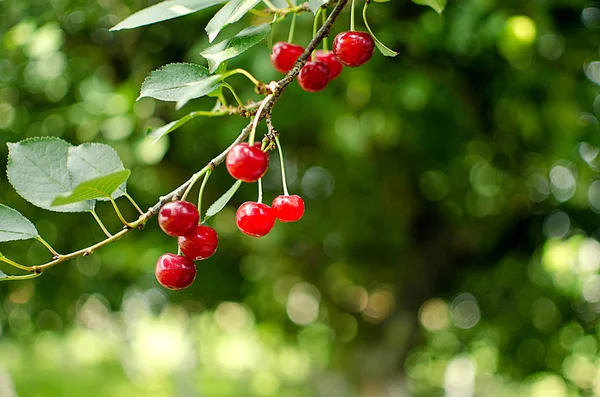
276,88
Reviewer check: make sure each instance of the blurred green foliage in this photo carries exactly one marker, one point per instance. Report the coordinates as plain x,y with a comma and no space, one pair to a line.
450,244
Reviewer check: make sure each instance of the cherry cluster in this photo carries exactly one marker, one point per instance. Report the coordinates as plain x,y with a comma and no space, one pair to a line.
350,49
196,242
249,163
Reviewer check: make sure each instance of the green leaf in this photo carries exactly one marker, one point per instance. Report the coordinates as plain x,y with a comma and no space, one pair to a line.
172,82
380,46
2,275
93,160
102,187
163,11
159,132
314,5
14,226
218,205
230,13
37,168
216,93
234,46
199,89
437,5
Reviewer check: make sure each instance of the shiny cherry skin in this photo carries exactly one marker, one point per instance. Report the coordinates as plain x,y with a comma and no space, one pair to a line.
288,208
313,76
178,217
352,48
255,219
200,243
285,55
335,67
247,163
175,271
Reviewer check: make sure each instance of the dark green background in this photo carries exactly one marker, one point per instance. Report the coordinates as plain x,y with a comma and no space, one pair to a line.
449,242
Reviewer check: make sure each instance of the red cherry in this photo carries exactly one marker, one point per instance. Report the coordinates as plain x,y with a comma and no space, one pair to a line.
255,219
175,271
200,243
178,217
247,163
285,55
313,76
353,48
288,208
335,67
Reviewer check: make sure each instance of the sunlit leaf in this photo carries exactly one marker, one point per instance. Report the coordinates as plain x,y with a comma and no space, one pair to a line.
230,13
14,226
163,11
234,46
179,82
314,5
437,5
199,89
93,160
37,168
102,187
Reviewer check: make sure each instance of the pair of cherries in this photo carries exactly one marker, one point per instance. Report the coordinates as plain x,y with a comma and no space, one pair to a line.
257,219
249,163
350,49
196,242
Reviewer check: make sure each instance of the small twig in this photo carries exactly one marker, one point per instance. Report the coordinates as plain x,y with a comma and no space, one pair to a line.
292,9
23,277
15,264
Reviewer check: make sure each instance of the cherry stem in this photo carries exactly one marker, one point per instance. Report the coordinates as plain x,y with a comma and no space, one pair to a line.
325,39
352,16
315,28
14,264
283,179
201,192
244,72
118,212
95,215
132,201
48,246
235,95
260,193
193,181
292,28
257,118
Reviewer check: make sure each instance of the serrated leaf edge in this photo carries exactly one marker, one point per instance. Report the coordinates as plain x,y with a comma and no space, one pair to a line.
163,67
